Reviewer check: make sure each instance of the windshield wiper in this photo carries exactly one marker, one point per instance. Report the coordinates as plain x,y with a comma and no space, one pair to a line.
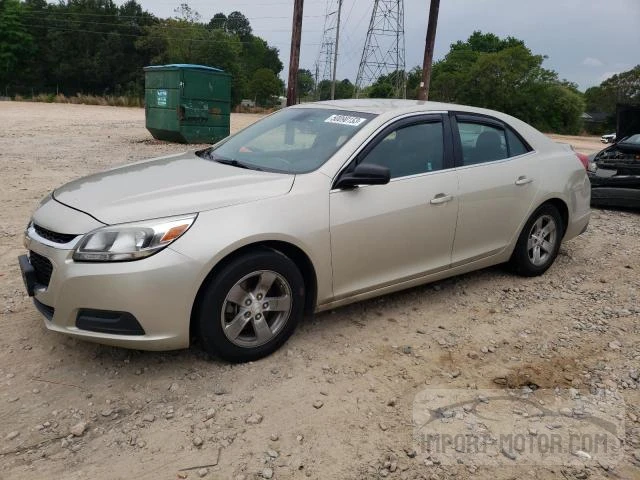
228,161
235,163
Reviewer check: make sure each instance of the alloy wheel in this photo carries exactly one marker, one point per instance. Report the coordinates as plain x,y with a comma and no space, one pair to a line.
256,308
542,240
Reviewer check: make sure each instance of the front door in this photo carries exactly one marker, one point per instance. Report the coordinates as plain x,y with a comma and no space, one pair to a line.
385,234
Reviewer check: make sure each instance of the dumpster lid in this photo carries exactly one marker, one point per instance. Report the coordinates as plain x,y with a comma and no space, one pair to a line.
175,66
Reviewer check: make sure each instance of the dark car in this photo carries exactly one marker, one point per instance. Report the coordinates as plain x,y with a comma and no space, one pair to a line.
615,171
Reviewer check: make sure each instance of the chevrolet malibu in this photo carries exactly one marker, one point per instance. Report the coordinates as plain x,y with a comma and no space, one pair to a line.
311,208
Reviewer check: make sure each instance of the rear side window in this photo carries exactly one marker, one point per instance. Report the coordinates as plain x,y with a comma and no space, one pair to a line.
481,143
488,140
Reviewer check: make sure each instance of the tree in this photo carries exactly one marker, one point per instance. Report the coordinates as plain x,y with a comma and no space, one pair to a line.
15,41
238,24
620,88
218,22
414,77
185,13
344,89
384,86
100,47
264,85
486,43
306,83
256,53
503,74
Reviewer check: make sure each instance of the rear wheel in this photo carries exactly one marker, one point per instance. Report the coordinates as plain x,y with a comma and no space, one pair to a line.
539,242
251,306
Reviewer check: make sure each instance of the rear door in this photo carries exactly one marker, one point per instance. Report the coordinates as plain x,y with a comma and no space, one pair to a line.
386,234
499,176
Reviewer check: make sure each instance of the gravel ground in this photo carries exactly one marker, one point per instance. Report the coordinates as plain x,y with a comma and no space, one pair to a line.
336,401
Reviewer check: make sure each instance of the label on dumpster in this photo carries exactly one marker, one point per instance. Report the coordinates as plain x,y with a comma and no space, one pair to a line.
345,120
161,98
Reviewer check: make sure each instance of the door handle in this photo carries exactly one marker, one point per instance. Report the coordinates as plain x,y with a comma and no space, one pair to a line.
441,198
522,180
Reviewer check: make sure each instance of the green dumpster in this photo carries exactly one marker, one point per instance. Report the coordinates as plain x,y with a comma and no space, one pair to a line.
187,103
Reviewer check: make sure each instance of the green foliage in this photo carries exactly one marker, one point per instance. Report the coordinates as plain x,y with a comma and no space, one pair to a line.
621,88
386,86
264,85
503,74
414,77
486,43
305,84
218,21
344,89
238,24
15,41
97,47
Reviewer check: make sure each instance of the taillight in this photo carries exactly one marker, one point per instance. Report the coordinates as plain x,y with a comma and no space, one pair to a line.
584,159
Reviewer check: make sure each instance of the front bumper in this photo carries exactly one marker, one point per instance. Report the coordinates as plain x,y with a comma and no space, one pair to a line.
615,197
158,292
611,189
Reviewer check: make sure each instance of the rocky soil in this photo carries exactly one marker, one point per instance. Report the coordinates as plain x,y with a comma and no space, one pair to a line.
337,400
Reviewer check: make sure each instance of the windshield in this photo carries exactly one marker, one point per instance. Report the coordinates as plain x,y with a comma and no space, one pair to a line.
294,140
633,139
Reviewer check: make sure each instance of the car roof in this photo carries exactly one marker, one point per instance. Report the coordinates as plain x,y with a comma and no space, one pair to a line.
388,108
384,105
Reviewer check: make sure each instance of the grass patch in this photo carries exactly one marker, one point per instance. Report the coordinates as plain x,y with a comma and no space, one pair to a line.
83,99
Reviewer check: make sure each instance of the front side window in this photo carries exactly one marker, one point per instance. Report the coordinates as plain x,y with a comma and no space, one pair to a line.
294,140
410,150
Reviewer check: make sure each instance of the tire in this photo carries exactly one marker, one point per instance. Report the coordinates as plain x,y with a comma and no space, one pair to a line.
235,307
524,260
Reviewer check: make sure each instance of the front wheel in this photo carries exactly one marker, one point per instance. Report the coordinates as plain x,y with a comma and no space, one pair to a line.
539,242
251,306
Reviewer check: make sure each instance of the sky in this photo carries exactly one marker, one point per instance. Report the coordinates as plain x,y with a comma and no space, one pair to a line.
586,41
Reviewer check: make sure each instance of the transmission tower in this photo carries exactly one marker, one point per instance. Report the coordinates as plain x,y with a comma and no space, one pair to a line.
324,62
383,51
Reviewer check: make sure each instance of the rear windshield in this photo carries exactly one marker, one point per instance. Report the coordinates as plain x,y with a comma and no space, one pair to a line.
293,140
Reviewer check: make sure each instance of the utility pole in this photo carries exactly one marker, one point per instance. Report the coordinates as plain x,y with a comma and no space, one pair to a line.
335,53
423,93
294,57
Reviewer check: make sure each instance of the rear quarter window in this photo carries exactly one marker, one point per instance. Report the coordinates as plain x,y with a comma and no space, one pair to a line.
516,147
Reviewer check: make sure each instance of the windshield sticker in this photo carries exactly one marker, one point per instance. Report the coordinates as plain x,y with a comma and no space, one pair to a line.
345,120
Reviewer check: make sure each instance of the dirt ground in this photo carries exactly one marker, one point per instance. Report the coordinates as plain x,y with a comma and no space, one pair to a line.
336,401
585,144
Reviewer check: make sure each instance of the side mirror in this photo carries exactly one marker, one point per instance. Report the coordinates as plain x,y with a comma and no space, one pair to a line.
365,174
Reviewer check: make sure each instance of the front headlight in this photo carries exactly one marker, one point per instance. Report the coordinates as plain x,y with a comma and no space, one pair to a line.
131,241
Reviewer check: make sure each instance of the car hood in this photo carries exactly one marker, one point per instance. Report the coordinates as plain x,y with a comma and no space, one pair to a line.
173,185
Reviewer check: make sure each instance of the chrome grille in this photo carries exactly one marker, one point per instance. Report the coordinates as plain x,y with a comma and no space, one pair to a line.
53,236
